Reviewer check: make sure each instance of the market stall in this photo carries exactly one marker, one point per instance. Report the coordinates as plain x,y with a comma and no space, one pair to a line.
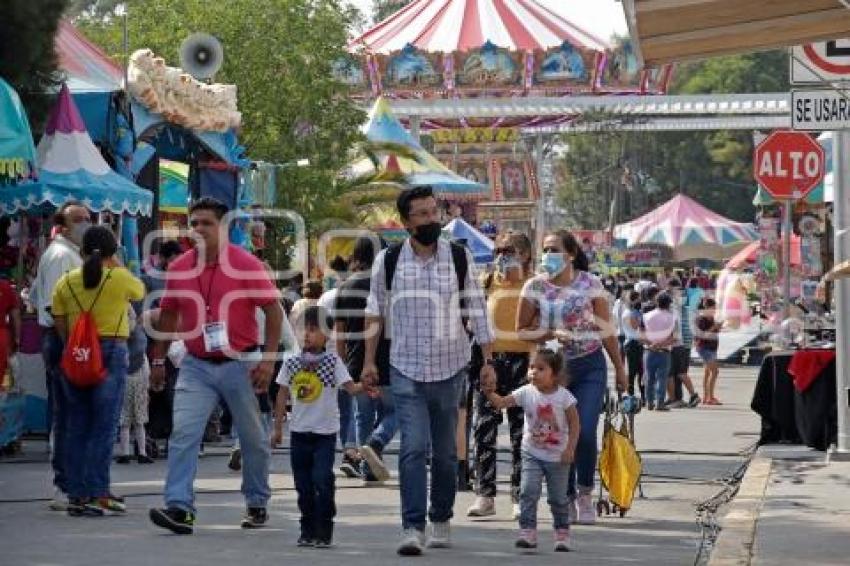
69,167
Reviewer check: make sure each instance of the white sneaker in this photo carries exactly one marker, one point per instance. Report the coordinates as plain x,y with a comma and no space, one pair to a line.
441,535
516,511
562,540
412,542
59,501
483,507
586,511
572,510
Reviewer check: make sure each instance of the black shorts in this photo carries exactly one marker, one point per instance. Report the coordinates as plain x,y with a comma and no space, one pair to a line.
680,361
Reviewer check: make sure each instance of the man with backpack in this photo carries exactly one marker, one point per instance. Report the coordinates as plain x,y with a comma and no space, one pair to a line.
421,292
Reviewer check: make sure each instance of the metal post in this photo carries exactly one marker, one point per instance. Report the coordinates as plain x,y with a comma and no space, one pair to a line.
841,217
415,122
540,220
126,45
786,256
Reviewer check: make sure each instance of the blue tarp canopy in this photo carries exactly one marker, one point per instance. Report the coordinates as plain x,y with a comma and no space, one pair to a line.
480,245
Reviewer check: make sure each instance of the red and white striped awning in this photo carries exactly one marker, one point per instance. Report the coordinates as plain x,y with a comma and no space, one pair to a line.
460,25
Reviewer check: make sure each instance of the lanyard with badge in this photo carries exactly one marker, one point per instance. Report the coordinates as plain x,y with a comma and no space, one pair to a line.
215,333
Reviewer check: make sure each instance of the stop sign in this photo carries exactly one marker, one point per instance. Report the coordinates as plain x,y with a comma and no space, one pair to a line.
789,164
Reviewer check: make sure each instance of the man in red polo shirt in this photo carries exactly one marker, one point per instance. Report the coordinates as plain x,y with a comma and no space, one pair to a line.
210,301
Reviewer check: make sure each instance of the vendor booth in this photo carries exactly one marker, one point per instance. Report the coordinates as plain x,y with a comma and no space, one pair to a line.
69,167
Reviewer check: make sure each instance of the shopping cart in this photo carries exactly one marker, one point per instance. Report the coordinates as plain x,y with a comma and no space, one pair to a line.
620,465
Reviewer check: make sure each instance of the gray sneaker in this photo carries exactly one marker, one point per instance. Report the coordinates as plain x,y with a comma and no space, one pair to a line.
441,535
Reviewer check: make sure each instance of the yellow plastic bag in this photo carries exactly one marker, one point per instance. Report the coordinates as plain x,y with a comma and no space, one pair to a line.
619,466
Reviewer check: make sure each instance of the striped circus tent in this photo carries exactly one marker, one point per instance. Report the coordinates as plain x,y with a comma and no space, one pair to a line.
689,229
460,25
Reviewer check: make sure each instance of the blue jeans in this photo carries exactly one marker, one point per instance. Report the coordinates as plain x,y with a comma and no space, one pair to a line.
312,456
375,418
346,419
557,477
657,366
588,377
57,402
93,415
427,419
199,387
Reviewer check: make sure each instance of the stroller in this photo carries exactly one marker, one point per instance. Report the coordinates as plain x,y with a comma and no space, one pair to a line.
619,462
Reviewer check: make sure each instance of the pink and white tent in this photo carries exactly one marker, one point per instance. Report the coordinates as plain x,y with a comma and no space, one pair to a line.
460,25
691,230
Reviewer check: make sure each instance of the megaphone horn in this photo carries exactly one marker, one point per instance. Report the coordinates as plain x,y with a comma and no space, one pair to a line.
201,55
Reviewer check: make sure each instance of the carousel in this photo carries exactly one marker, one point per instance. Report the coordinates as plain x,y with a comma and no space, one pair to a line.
461,49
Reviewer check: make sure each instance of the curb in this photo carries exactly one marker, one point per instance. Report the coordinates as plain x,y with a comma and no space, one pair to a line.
734,546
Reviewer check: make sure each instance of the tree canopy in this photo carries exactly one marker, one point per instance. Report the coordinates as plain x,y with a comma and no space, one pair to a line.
27,58
643,169
279,54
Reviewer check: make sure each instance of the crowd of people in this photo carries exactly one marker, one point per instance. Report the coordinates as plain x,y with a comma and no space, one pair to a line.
405,339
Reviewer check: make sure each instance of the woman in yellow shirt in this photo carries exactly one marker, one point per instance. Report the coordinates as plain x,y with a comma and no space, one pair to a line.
105,288
510,360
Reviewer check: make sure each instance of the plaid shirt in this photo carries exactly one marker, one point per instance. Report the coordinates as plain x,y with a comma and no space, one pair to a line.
429,342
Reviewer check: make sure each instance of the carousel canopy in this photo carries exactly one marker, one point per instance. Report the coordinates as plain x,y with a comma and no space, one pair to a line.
383,127
17,152
480,245
87,68
691,230
460,25
70,167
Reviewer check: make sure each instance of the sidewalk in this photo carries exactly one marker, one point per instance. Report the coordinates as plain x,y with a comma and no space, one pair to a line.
793,508
685,453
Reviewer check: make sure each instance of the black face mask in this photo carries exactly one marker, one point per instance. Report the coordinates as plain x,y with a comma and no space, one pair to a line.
428,234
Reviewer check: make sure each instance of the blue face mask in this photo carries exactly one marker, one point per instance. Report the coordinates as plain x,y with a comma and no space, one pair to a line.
553,263
505,263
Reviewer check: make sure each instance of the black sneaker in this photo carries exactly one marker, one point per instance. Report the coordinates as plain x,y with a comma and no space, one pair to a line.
144,459
122,460
306,541
84,508
255,518
176,520
374,465
235,461
695,400
350,467
324,543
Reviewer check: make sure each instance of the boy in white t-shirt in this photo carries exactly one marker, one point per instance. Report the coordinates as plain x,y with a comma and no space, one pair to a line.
313,378
548,445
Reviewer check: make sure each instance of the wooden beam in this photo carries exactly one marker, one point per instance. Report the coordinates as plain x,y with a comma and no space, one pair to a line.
749,36
662,17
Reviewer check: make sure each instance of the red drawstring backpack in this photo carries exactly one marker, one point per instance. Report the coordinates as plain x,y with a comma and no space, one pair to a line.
82,359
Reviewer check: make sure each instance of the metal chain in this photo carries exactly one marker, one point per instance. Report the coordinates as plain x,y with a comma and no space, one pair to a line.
706,510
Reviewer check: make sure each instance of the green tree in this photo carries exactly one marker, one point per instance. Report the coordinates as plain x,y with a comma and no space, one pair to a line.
27,58
642,169
279,55
381,9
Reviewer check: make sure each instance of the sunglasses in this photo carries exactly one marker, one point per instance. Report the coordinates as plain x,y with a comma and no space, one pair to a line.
551,250
507,250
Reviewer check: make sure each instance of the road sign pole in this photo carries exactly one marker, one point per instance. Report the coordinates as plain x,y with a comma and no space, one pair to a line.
786,256
841,225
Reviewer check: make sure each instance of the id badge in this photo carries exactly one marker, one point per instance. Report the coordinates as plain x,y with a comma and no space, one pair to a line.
215,336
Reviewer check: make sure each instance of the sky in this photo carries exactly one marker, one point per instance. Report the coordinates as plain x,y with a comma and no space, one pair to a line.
600,17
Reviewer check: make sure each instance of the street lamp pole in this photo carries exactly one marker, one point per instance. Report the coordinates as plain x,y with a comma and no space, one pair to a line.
841,217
